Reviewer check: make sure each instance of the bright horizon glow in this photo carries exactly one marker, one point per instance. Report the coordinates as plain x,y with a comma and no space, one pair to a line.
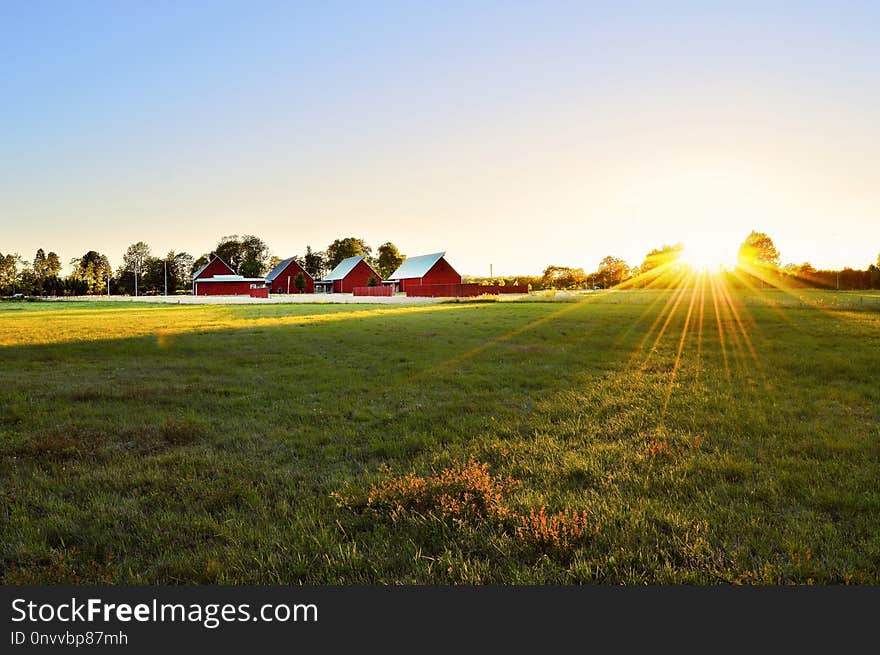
510,135
708,256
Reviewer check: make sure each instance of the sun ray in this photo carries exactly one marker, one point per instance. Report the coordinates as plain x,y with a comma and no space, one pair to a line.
669,317
681,342
713,282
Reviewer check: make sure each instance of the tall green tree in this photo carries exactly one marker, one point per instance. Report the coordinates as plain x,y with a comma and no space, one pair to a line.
314,262
10,274
388,259
345,248
248,255
133,262
92,270
39,263
182,265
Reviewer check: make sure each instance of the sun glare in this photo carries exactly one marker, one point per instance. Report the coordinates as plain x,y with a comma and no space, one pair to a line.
707,256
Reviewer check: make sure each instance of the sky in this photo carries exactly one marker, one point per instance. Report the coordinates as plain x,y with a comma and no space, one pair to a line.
511,134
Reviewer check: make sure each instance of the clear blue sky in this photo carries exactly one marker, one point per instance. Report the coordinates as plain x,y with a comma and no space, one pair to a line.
517,134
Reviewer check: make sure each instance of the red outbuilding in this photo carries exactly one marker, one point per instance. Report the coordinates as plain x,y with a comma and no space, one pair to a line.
216,278
227,285
282,278
424,269
348,274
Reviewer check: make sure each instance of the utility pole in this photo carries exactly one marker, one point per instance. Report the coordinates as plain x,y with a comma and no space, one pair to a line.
491,275
166,277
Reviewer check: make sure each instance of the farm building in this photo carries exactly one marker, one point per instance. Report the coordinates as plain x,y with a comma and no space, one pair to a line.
424,269
228,285
216,278
215,266
348,274
282,278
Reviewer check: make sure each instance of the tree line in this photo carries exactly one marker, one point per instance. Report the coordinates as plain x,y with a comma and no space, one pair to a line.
143,273
758,264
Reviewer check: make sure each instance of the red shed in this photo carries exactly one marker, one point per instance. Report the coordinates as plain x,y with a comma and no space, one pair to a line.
424,269
348,274
227,285
281,279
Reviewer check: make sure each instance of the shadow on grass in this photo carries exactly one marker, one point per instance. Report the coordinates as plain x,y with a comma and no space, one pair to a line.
689,477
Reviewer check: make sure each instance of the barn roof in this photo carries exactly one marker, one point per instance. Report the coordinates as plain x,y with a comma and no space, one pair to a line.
416,266
278,270
343,268
209,262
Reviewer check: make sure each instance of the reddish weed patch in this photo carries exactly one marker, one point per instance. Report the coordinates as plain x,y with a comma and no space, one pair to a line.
465,492
554,532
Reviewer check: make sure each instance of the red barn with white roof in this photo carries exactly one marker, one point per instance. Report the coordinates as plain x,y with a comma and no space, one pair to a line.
424,269
348,274
281,279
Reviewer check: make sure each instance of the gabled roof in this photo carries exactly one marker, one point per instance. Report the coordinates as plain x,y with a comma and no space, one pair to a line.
210,261
278,270
345,267
416,266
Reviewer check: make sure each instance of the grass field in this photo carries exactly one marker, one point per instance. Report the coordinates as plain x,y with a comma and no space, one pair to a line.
640,437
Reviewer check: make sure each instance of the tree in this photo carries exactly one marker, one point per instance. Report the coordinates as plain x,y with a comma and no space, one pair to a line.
372,282
52,265
388,259
134,259
661,257
39,263
345,248
612,271
299,282
247,255
92,270
874,275
182,265
274,260
314,263
758,251
563,277
9,274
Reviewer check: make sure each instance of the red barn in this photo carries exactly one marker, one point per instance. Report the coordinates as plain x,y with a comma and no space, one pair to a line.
281,279
216,278
424,269
227,285
348,274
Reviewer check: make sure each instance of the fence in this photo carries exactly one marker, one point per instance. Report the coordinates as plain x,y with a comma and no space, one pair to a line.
384,290
460,290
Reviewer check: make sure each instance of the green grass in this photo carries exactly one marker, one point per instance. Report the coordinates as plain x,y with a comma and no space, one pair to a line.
204,444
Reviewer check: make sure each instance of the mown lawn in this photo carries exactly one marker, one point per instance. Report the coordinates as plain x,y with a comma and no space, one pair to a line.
705,439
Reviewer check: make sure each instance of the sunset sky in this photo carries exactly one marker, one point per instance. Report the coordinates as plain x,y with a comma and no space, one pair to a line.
514,134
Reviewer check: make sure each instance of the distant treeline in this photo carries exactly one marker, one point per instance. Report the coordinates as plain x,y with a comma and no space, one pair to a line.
758,265
145,274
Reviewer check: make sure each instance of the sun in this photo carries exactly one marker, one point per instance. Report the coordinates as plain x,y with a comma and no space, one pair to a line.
707,256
